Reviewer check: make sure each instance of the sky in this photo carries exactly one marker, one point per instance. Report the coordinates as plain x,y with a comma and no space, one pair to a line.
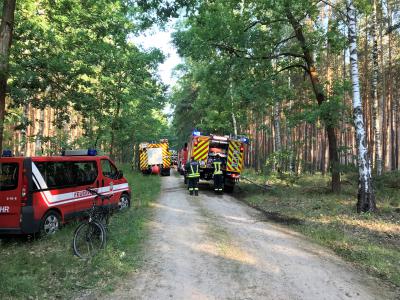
156,38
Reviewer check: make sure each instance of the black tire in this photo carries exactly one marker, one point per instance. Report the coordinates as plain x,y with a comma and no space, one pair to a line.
229,188
165,172
50,223
89,239
124,202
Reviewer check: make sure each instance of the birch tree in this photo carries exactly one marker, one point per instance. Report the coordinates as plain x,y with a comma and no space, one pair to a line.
366,197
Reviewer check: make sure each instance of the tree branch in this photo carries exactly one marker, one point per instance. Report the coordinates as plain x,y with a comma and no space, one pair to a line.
294,66
342,15
284,41
266,23
245,54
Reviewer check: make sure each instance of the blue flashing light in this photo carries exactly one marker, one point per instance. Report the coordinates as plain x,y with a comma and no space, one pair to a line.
7,153
92,152
244,140
196,133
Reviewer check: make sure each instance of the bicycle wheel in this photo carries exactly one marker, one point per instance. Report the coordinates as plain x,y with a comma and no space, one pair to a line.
102,216
89,239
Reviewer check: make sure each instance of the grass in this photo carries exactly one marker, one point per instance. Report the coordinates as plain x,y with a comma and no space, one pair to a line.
372,241
46,267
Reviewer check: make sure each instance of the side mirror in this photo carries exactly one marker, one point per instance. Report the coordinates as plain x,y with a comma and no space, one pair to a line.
120,174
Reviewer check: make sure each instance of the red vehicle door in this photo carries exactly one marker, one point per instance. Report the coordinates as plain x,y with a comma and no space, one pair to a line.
10,192
55,186
111,183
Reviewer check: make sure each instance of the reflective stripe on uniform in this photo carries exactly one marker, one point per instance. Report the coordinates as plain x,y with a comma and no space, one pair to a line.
217,168
194,174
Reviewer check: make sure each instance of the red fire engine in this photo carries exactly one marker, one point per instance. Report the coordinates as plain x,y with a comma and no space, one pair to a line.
182,159
204,149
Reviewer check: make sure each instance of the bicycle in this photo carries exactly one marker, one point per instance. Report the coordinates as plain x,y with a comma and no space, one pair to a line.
90,235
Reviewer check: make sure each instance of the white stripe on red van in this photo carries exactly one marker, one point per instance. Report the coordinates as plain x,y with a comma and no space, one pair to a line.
59,199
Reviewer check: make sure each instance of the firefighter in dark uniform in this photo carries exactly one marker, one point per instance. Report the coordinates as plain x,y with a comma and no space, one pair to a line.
193,175
218,174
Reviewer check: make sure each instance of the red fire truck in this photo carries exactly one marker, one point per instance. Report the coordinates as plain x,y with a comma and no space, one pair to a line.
182,159
204,149
41,193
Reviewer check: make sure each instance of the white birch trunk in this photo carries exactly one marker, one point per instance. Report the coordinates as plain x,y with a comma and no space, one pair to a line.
366,199
374,83
235,131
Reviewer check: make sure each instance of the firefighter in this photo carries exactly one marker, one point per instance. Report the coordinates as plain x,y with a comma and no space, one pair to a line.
218,174
193,175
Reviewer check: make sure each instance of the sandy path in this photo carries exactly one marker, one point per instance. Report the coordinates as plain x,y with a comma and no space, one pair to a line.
214,247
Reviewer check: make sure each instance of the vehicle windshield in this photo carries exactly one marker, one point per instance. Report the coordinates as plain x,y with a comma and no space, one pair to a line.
8,176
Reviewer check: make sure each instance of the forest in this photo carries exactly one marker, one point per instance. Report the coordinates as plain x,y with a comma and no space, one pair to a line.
313,84
76,80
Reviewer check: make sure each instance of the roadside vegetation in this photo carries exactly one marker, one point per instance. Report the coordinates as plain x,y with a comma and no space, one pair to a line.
46,267
371,241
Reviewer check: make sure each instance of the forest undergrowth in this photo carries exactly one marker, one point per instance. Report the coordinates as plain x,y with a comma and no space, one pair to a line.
305,203
46,268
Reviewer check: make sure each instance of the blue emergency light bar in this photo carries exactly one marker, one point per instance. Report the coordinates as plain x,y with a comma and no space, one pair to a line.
196,133
244,140
7,153
92,152
88,152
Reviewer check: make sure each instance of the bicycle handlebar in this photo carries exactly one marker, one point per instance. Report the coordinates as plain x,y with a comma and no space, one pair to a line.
94,192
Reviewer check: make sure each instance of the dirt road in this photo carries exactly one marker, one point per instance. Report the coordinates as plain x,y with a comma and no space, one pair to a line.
214,247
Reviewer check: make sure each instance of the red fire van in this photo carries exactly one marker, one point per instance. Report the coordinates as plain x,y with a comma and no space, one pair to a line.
41,193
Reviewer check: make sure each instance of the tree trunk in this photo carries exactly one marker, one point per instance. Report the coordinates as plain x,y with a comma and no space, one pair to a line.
320,96
277,127
6,31
235,131
113,129
277,137
366,198
374,92
40,134
383,90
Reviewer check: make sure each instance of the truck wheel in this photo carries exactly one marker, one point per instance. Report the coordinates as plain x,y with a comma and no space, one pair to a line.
124,202
229,188
51,223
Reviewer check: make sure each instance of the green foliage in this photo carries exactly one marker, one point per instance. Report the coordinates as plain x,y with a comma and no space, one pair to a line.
46,268
234,56
78,55
388,180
